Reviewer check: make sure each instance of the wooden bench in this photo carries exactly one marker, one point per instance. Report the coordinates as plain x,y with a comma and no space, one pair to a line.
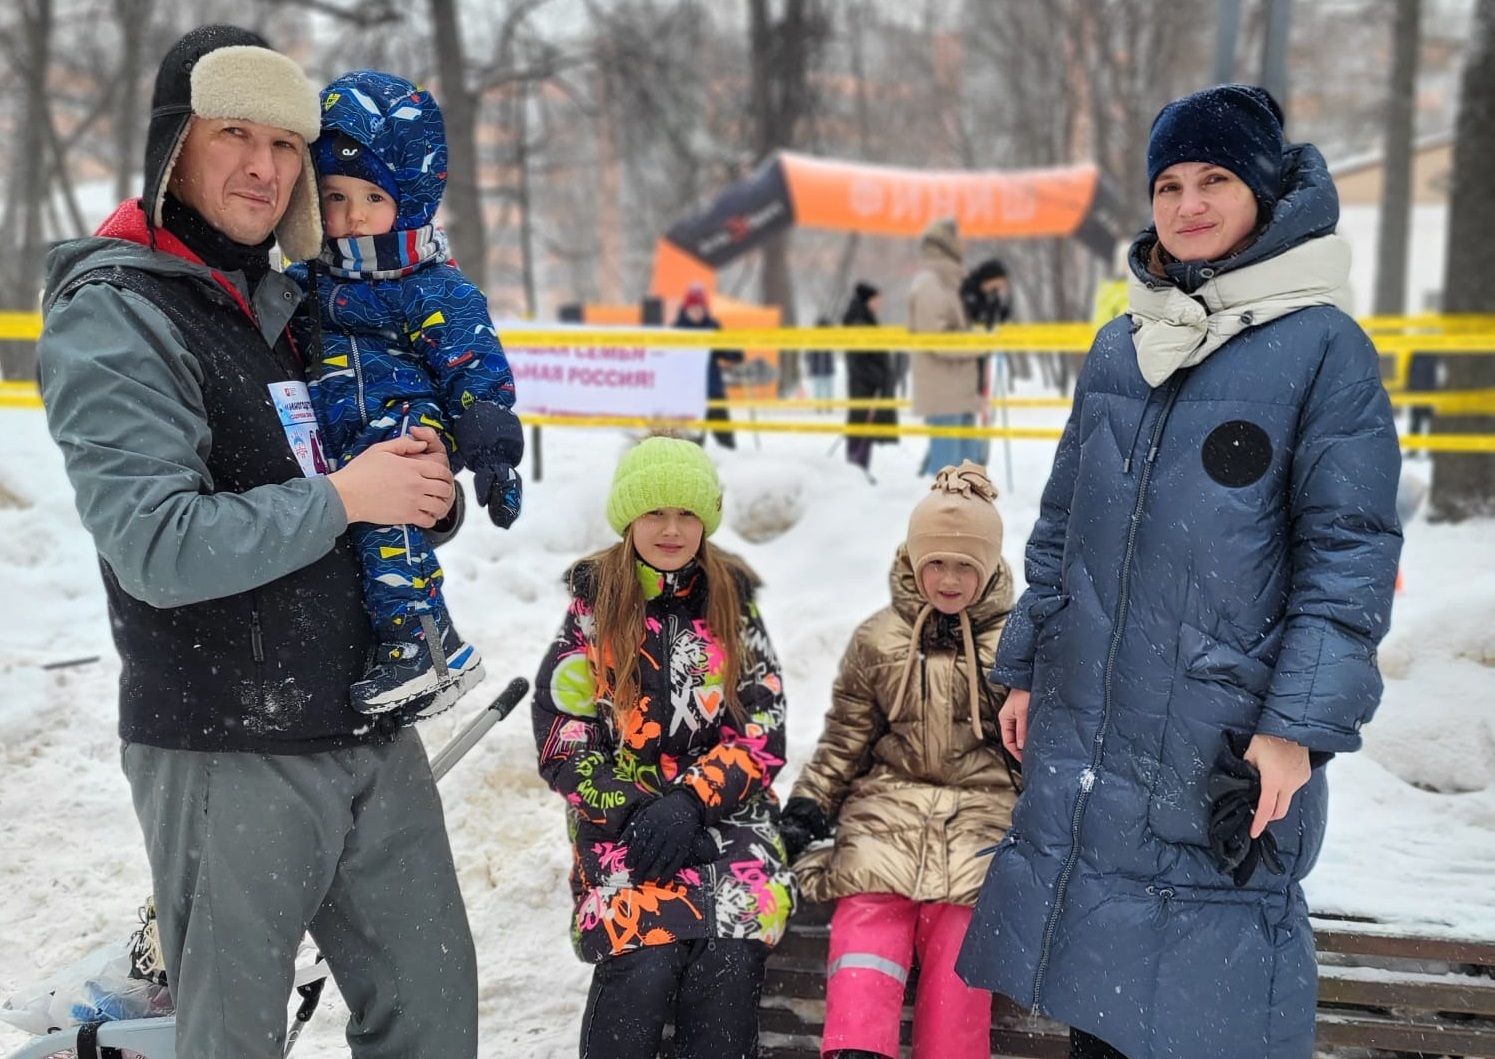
1396,994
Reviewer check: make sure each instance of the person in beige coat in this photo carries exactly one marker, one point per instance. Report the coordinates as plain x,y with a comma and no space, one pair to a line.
948,388
910,775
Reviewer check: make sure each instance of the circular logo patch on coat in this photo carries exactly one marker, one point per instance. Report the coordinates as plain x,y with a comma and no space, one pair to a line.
1237,453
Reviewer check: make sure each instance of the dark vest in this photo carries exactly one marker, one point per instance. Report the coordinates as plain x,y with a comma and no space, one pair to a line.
266,670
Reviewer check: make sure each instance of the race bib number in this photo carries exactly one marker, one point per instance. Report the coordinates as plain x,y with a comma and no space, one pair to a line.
293,405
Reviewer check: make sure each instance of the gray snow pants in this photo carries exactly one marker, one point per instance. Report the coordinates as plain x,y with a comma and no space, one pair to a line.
250,851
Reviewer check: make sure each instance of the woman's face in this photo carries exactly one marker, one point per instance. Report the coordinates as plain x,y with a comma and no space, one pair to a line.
1202,211
667,539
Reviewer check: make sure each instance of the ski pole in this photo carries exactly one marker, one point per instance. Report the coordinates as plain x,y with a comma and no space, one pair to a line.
466,739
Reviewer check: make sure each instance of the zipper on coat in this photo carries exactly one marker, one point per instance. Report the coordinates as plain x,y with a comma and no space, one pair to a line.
1090,774
355,360
256,635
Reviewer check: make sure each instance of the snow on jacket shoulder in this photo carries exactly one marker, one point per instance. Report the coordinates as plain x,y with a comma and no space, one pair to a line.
680,736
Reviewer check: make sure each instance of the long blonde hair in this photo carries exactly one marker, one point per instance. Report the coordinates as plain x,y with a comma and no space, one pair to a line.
618,622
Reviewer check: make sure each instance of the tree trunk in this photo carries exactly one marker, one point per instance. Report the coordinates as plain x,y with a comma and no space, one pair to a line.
1396,190
463,202
1464,483
781,52
525,200
27,205
134,18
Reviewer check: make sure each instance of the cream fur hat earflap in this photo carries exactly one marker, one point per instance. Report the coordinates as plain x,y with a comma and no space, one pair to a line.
957,520
227,72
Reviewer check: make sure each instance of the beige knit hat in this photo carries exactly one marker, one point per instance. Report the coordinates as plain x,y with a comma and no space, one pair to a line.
957,520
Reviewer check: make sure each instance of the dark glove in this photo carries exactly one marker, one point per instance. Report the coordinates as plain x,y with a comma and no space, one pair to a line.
1234,789
801,823
703,849
490,440
661,835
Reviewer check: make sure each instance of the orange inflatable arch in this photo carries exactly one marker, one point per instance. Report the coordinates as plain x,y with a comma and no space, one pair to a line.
796,189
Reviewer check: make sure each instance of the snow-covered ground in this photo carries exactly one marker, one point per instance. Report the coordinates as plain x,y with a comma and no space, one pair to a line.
71,857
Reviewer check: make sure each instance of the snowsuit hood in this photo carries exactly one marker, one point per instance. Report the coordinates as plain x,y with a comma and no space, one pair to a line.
400,124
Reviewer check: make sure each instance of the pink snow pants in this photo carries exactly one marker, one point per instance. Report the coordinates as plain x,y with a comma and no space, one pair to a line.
874,938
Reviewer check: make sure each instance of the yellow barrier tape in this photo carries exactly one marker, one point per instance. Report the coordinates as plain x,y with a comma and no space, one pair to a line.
19,327
1393,335
23,395
767,426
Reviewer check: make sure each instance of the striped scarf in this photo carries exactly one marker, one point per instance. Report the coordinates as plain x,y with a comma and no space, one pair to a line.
388,256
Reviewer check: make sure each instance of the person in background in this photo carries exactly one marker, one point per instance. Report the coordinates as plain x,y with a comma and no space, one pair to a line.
986,293
1422,377
948,388
269,805
870,375
659,717
1211,571
820,366
910,779
695,313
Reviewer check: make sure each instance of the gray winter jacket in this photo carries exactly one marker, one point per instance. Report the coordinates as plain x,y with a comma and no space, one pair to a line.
124,403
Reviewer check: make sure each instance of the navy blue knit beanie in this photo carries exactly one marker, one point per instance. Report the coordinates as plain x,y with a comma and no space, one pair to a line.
1236,127
338,154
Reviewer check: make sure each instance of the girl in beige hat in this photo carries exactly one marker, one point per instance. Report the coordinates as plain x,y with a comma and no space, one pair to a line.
910,778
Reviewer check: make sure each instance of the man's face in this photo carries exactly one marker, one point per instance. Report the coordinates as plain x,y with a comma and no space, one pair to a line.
238,175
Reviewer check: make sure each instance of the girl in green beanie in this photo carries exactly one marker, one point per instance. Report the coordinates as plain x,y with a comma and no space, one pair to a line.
659,716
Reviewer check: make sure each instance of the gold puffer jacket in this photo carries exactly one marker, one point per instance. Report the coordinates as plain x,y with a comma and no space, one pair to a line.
913,794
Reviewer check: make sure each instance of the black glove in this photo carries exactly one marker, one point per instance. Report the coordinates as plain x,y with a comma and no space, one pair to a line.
661,835
1234,789
490,440
703,849
801,823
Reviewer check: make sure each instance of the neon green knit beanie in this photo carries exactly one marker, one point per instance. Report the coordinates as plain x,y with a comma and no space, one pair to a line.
664,472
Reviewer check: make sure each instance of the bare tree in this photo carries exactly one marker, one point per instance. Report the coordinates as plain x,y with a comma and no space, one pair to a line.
1464,483
1396,189
462,202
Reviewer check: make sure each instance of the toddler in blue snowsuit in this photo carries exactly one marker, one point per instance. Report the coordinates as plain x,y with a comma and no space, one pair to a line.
405,340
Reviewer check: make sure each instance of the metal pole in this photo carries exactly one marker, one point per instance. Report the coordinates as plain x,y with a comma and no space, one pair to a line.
1226,33
1274,50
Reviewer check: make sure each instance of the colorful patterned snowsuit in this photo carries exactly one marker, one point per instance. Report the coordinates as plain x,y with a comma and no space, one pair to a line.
680,735
406,339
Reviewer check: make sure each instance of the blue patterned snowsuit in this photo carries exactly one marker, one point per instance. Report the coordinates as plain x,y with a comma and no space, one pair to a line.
406,339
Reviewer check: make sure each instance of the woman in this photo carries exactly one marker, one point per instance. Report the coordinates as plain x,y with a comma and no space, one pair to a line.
1230,472
869,376
949,388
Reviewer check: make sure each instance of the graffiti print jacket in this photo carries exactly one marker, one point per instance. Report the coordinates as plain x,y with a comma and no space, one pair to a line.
681,735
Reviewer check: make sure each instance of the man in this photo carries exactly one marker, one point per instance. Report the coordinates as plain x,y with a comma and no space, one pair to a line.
269,806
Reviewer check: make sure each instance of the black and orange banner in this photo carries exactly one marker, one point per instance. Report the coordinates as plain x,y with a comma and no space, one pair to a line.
794,189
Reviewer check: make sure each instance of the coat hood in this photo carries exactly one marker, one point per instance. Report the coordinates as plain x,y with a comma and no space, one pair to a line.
1308,208
400,124
941,237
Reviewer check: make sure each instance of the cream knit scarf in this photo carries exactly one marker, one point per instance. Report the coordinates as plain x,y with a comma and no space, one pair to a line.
1173,330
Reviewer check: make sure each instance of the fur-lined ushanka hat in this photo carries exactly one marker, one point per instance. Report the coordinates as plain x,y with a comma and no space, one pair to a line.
227,72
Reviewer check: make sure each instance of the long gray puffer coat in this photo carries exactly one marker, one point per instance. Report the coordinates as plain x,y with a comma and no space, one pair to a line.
1214,554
